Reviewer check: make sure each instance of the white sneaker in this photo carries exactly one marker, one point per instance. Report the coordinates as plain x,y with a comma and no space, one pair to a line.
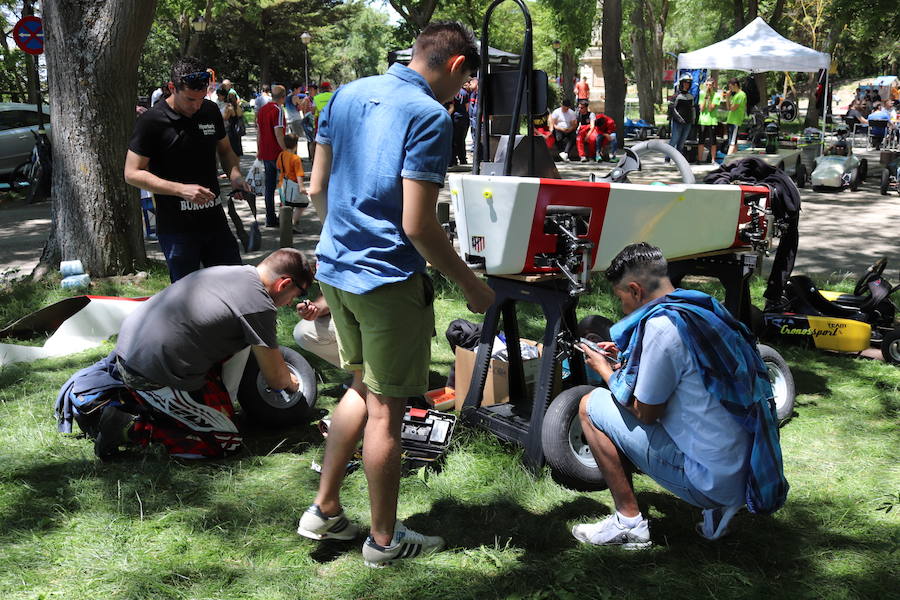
316,526
610,532
406,543
584,159
564,156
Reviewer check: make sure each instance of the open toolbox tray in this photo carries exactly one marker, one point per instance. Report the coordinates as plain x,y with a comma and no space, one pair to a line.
425,434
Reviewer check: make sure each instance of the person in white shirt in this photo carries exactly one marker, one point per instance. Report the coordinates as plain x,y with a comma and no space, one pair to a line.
563,123
263,98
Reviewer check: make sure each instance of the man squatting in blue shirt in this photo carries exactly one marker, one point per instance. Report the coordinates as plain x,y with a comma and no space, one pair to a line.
684,357
377,187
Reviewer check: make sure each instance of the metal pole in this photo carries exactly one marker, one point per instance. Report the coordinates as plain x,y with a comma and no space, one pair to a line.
40,108
306,66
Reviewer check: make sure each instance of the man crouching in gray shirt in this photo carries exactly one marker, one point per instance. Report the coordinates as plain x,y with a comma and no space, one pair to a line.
170,352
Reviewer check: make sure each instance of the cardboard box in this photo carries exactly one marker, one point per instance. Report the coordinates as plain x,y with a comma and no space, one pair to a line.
496,387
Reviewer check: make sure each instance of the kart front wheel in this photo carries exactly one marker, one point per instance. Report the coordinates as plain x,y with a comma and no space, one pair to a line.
890,346
564,445
863,169
885,181
269,408
782,382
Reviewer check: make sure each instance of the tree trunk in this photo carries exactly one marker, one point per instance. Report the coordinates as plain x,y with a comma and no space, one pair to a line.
568,64
642,52
93,47
613,69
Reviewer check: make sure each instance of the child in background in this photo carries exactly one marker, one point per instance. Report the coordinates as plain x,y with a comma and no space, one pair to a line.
290,169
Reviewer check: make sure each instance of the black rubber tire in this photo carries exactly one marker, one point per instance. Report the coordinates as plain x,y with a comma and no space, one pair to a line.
595,328
663,132
863,169
854,183
885,181
641,134
782,382
819,188
572,467
800,175
268,408
18,181
890,346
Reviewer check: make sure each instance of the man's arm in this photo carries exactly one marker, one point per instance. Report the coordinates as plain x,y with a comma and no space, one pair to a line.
274,369
279,136
138,175
645,413
421,226
318,180
231,164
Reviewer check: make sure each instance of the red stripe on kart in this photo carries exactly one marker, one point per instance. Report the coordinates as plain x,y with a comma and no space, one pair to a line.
555,192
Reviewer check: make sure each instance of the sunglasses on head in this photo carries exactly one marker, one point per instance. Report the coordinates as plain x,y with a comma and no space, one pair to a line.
196,81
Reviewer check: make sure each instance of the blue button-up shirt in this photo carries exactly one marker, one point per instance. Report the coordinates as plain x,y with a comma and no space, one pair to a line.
381,130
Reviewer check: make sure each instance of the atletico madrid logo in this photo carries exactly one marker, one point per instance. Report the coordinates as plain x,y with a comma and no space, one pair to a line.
478,243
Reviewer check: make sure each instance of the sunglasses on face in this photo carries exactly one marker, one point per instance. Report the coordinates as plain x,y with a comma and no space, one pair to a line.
196,81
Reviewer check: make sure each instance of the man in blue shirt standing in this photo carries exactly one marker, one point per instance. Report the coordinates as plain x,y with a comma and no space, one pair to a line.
688,404
376,188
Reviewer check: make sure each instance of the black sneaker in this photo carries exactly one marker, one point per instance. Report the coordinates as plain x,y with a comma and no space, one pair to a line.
112,431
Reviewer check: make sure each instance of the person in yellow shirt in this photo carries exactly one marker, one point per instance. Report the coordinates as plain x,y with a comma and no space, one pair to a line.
290,182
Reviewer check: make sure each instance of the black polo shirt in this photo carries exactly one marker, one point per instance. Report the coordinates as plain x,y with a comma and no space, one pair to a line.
182,149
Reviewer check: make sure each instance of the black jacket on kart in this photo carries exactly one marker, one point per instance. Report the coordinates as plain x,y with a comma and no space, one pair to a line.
785,206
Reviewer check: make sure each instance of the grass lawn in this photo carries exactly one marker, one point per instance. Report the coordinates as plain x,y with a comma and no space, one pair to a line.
146,526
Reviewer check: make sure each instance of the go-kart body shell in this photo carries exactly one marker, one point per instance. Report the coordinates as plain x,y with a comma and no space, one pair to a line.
500,220
786,158
834,171
826,333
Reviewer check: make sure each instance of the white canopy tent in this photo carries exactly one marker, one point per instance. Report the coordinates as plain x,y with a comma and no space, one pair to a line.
757,48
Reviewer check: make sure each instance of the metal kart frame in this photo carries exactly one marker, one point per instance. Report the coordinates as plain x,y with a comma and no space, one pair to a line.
521,419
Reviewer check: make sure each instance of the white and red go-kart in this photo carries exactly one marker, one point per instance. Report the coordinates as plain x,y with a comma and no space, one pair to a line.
510,225
501,221
83,322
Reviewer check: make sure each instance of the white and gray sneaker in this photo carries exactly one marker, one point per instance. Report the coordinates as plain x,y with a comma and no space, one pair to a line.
316,526
406,543
611,532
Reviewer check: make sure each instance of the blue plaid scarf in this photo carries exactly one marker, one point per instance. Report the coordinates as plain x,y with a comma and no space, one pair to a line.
732,370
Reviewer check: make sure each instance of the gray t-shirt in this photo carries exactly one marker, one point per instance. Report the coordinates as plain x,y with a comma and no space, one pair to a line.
177,336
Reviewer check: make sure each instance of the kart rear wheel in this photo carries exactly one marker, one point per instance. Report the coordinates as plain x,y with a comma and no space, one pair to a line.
782,382
269,408
565,448
885,181
890,346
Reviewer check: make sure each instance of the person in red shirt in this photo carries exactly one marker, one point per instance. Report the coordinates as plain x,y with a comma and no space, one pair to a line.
605,127
269,144
582,90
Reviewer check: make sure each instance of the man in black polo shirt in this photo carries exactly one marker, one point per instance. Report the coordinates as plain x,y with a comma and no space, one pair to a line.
172,153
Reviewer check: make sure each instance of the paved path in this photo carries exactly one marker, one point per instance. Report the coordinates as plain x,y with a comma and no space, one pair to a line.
840,232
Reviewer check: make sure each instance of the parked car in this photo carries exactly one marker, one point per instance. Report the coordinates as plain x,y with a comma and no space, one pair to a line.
17,121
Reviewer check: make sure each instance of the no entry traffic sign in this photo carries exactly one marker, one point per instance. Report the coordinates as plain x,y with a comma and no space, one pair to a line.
28,34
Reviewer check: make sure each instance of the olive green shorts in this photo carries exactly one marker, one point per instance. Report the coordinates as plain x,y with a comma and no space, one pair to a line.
386,334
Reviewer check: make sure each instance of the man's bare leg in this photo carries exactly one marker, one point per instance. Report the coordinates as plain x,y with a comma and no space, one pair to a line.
346,429
381,461
610,463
